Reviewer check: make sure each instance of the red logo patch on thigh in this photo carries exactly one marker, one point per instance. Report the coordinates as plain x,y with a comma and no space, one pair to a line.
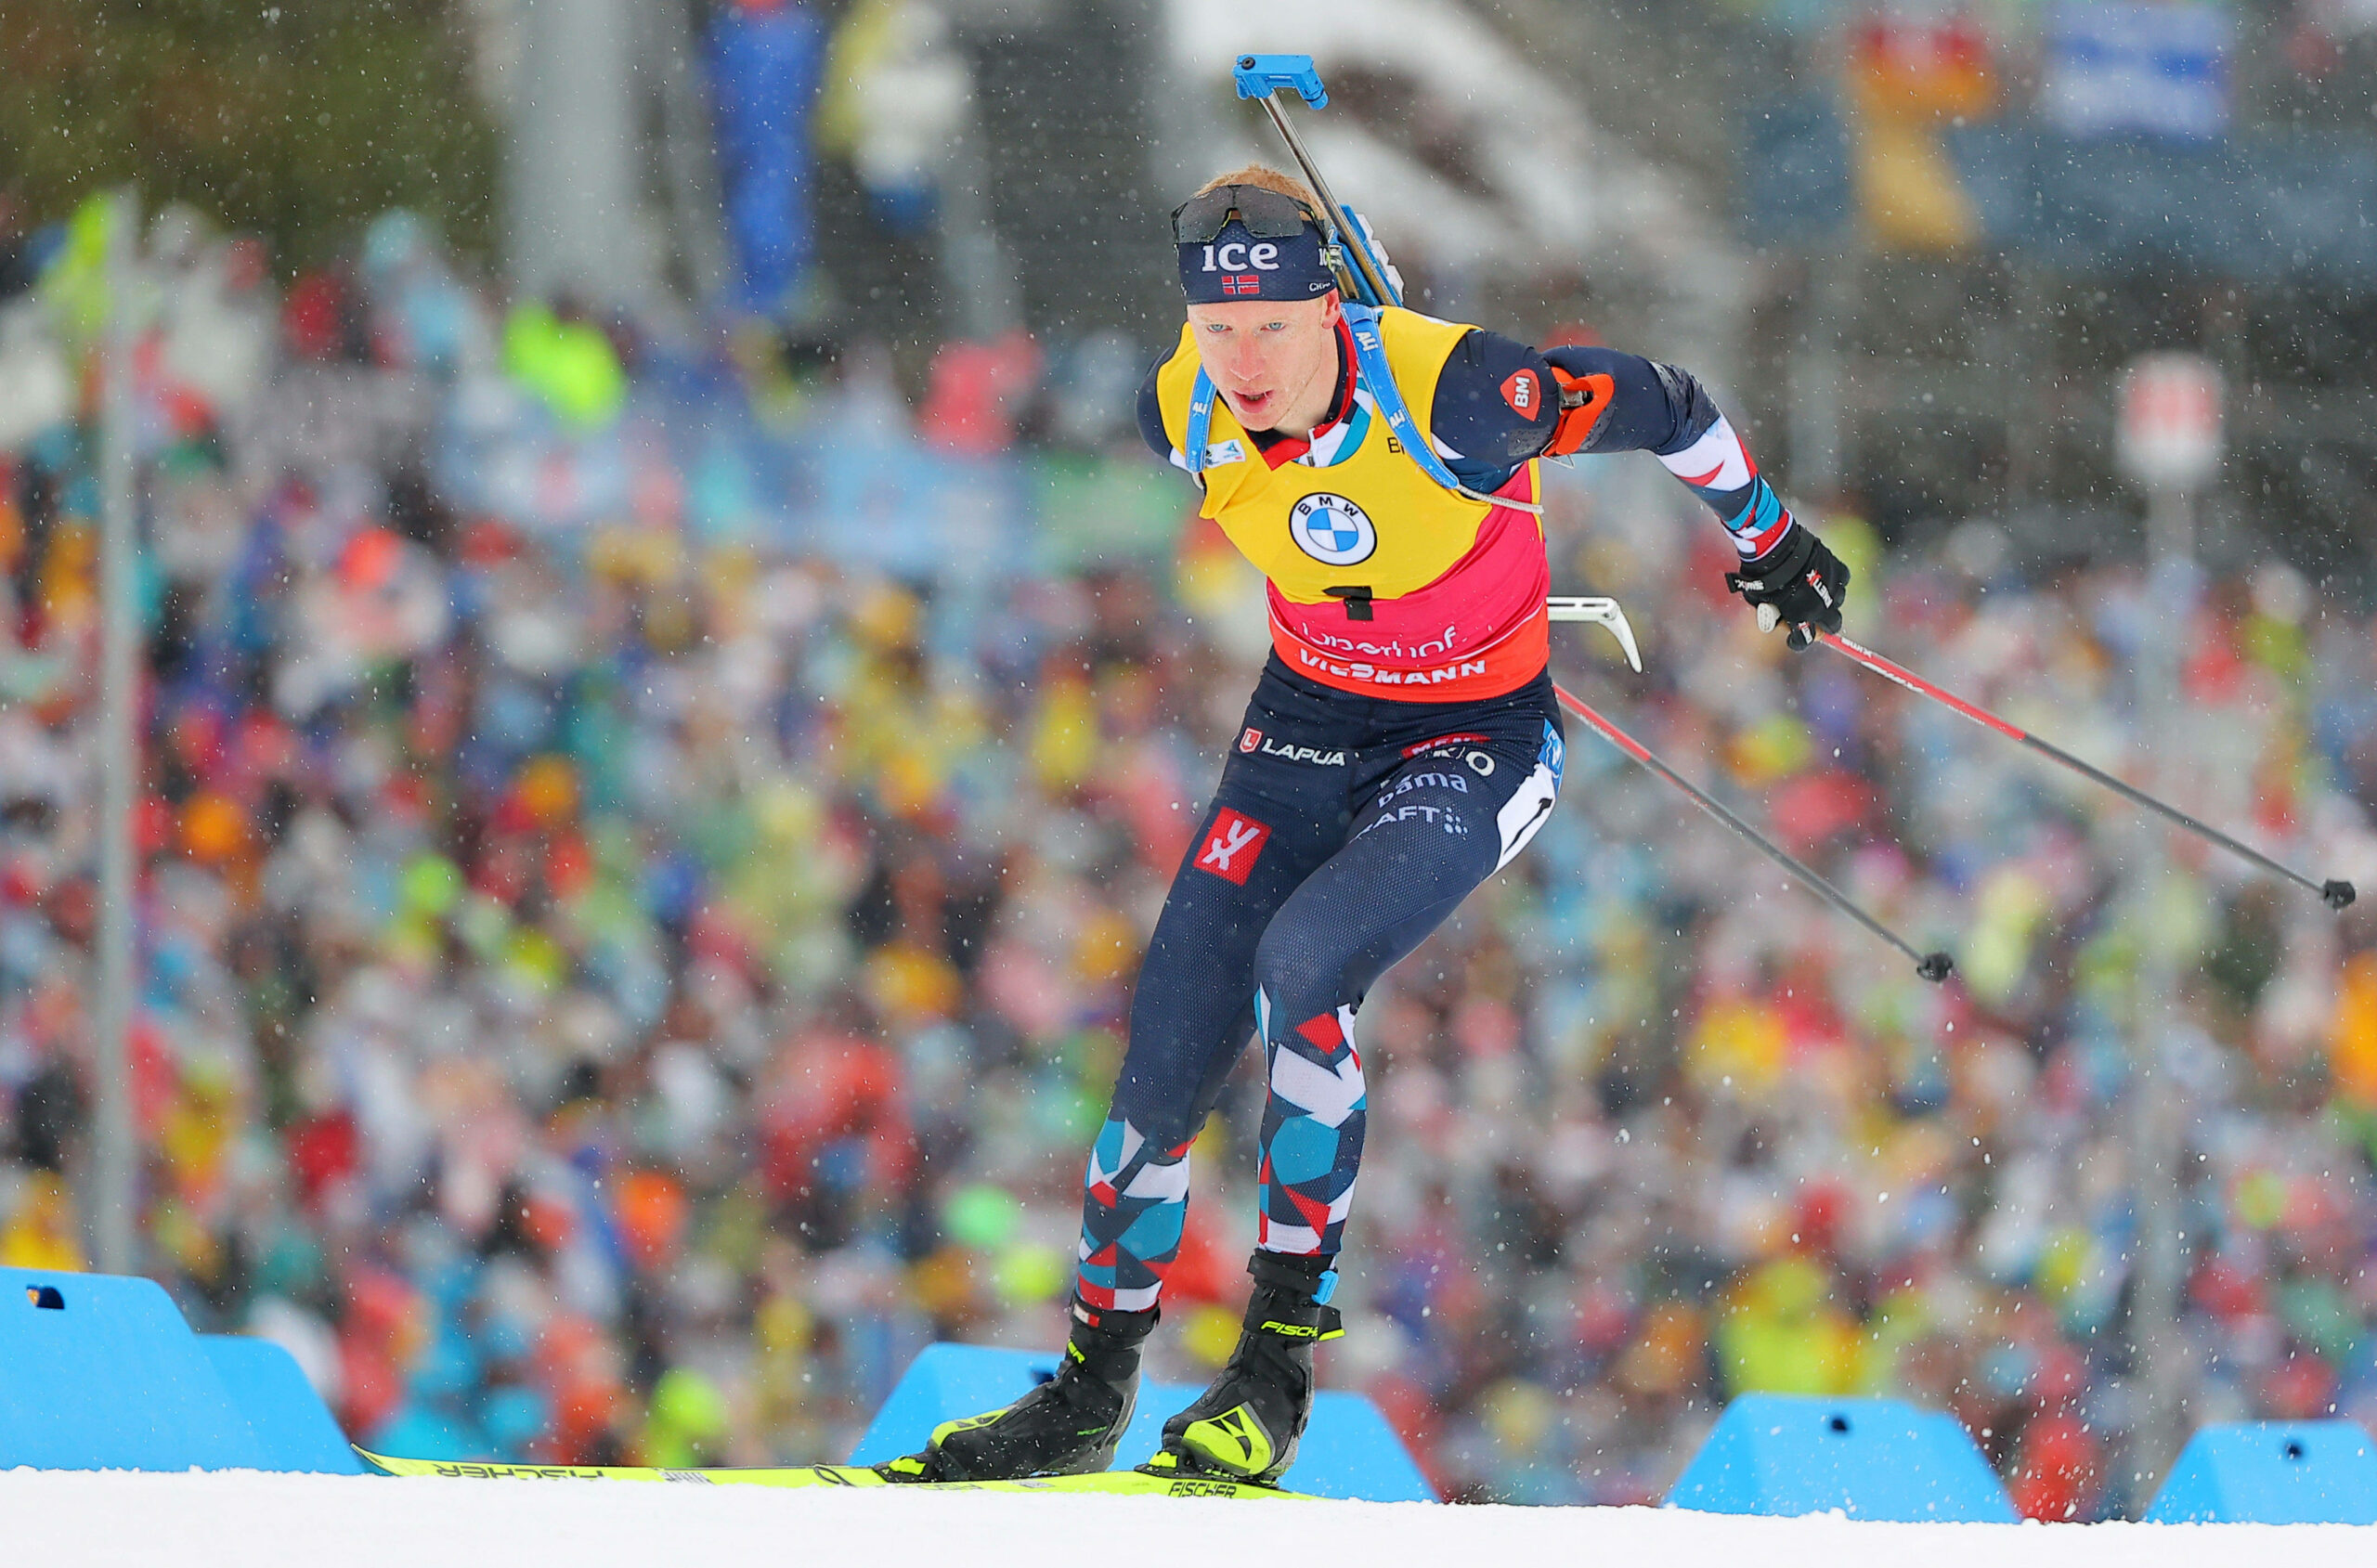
1232,845
1458,738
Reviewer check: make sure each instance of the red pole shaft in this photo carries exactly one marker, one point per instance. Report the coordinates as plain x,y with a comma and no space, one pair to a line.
1921,687
2335,892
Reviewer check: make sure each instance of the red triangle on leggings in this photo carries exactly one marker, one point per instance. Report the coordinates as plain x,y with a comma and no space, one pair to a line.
1315,1212
1322,1031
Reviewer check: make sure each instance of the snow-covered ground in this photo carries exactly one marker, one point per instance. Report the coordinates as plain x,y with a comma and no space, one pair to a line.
56,1519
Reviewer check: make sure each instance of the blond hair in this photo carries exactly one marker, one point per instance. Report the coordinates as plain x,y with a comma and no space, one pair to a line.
1264,178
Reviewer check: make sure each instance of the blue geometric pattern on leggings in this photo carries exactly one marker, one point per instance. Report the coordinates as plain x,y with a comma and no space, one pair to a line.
1135,1196
1312,1131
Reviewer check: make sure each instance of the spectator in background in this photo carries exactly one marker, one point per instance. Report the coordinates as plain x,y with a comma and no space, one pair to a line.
624,969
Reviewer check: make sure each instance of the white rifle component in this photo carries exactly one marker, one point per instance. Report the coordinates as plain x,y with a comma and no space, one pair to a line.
1604,611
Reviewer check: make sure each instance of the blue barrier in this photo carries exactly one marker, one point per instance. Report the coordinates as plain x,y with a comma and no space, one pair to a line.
291,1423
102,1373
2272,1472
1871,1458
1349,1451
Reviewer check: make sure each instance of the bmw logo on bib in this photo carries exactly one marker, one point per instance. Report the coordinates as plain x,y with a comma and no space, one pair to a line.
1333,529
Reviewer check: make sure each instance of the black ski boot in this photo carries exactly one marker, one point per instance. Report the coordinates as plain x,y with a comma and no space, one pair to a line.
1247,1424
1067,1426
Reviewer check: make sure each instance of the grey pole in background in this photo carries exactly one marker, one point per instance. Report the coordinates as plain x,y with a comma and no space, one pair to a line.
118,753
981,276
2170,446
2157,1359
577,220
2153,1130
696,219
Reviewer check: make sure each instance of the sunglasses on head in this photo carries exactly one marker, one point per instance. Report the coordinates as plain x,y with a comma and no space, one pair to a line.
1266,215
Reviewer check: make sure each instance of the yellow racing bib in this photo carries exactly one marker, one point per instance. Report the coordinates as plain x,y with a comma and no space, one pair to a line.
1358,513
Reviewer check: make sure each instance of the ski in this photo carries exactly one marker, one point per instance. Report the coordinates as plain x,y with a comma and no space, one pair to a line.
1120,1482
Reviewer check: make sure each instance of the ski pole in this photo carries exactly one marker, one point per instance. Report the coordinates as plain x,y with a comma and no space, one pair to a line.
1933,966
1260,77
2336,892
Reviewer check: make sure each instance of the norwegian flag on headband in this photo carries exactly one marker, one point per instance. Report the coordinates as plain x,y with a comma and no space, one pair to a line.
1235,265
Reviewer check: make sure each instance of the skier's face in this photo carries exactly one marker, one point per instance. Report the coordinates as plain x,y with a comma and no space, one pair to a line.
1274,362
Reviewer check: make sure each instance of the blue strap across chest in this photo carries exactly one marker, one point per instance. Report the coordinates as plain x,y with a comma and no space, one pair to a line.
1369,364
1200,420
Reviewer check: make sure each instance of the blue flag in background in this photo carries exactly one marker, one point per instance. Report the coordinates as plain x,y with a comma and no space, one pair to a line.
2155,67
764,61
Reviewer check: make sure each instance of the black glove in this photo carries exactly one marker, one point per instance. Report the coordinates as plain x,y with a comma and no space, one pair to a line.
1802,585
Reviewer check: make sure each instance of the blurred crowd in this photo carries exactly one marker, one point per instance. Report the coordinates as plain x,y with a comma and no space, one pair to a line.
633,952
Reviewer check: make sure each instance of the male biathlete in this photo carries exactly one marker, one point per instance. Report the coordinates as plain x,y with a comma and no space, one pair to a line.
1402,745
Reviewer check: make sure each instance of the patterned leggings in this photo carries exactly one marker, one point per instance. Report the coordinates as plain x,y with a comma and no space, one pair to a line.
1344,830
